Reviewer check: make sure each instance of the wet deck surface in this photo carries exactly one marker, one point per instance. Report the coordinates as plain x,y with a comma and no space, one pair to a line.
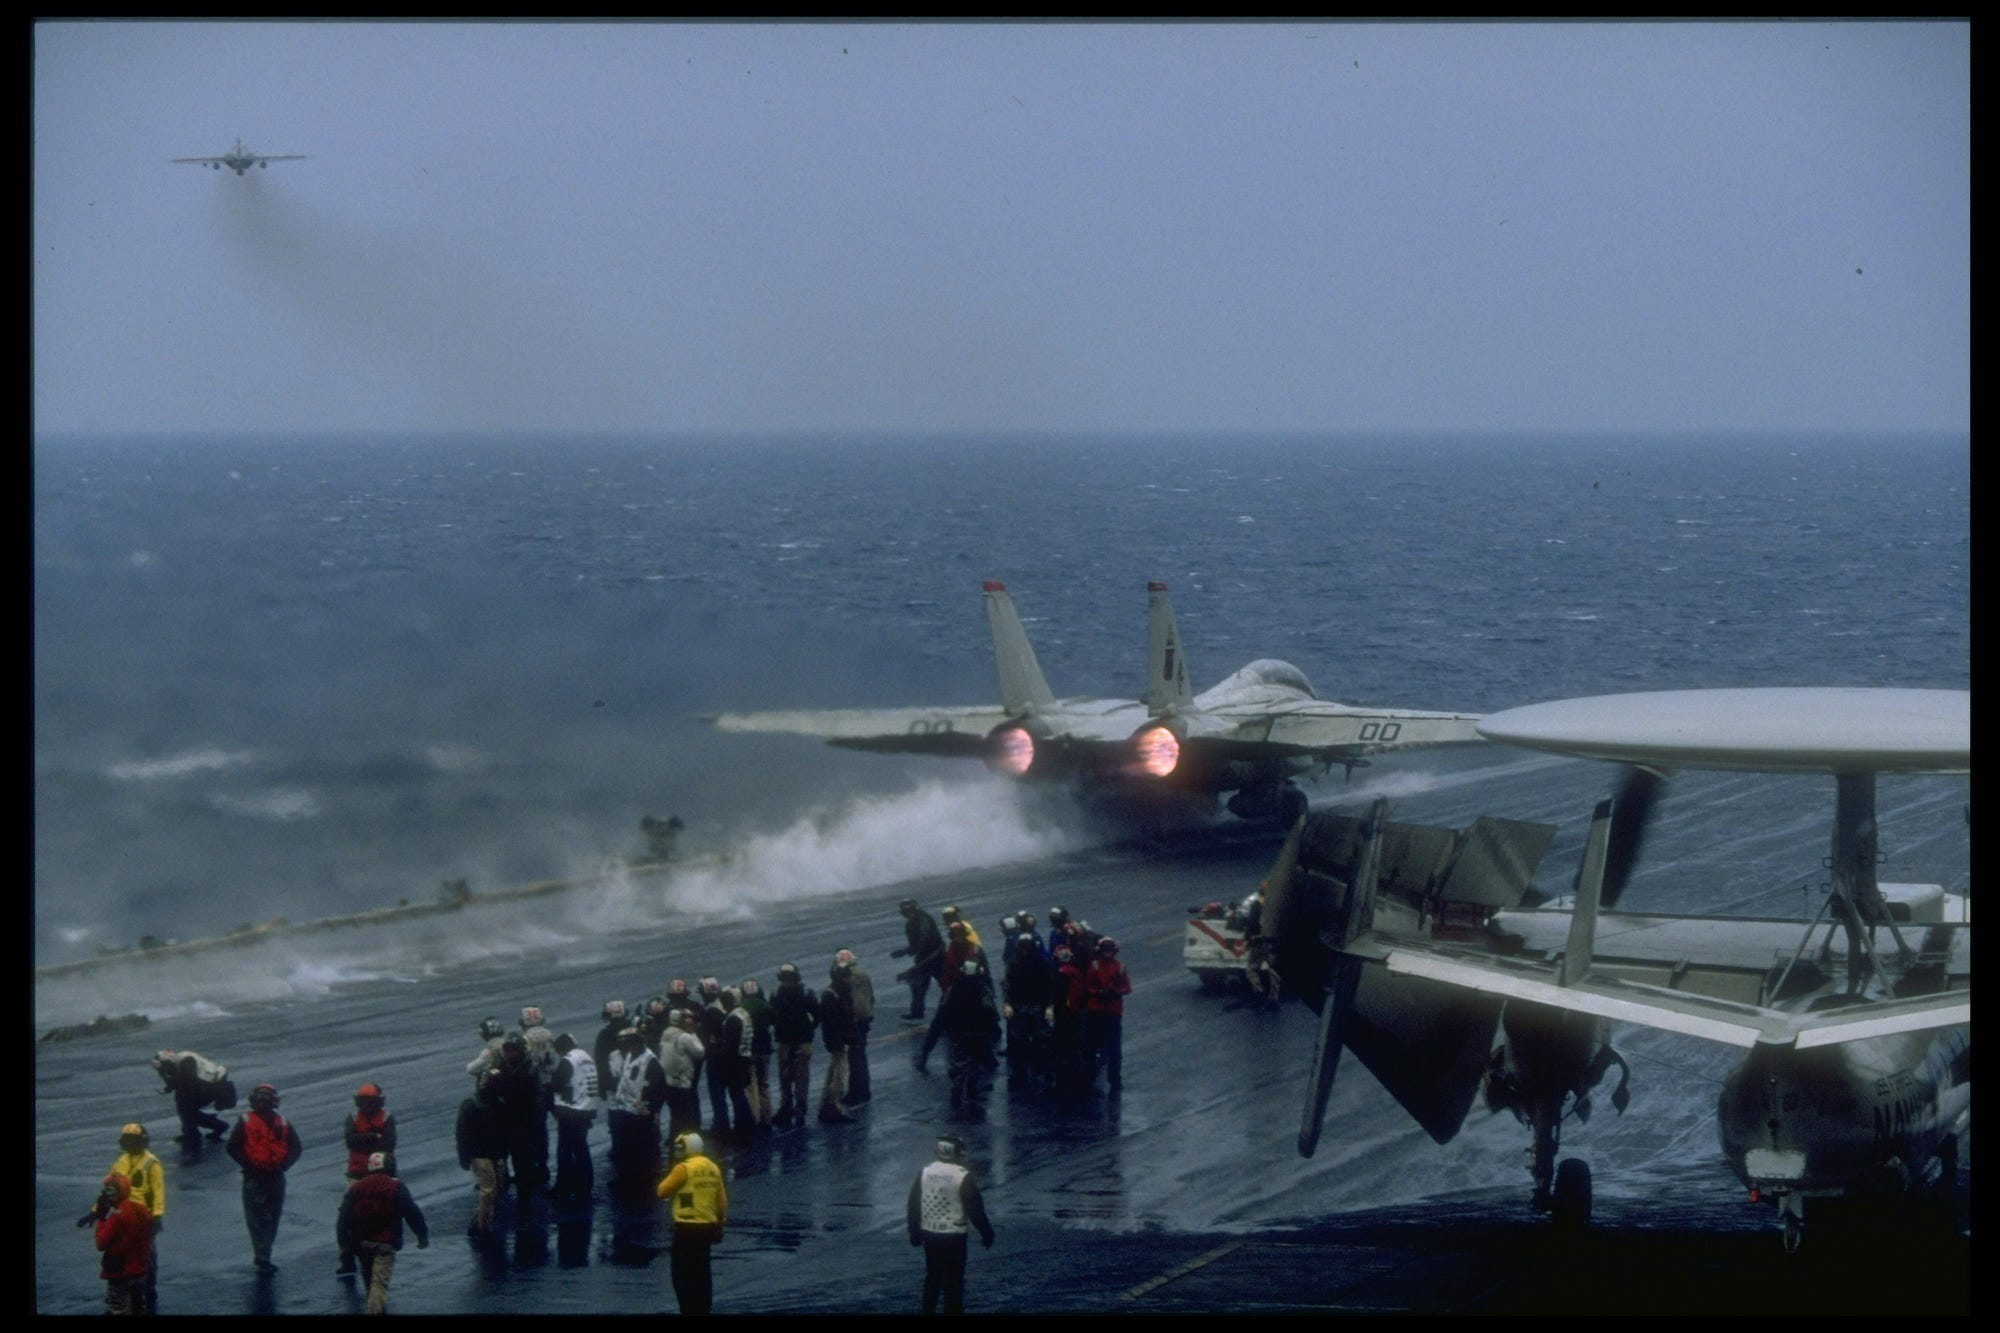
1184,1195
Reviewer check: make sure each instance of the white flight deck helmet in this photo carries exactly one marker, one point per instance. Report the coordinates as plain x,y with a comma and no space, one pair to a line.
689,1144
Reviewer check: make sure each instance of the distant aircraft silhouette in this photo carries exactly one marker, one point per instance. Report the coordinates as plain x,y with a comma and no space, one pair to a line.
240,159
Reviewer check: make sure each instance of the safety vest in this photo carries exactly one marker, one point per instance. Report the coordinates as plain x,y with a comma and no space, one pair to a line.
360,1123
149,1183
630,1094
941,1200
582,1094
375,1214
697,1200
264,1143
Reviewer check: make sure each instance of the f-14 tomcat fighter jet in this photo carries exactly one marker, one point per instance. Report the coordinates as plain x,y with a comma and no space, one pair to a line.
1856,1027
240,159
1250,735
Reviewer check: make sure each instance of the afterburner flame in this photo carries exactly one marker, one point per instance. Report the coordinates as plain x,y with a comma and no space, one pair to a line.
1156,751
1010,750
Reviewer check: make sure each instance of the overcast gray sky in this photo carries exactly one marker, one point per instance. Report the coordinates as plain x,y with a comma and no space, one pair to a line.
916,227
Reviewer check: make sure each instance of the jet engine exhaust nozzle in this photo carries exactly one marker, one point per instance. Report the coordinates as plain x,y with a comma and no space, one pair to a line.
1010,750
1156,752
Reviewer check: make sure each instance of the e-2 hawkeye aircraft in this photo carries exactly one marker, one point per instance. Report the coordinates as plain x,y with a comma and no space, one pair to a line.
1251,734
240,159
1856,1027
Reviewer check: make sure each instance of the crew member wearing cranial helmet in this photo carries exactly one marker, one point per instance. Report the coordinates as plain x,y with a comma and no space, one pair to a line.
542,1062
924,947
758,1007
491,1033
944,1201
615,1022
1105,986
522,1115
372,1213
963,946
952,916
124,1235
575,1092
969,1021
636,1090
371,1129
709,1021
197,1083
794,1020
701,1209
729,1059
148,1185
482,1150
861,990
265,1145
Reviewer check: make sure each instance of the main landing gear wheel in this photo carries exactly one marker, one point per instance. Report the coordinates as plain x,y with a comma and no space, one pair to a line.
1570,1201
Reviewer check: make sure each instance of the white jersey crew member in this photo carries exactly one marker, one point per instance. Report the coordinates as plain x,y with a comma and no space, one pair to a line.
944,1202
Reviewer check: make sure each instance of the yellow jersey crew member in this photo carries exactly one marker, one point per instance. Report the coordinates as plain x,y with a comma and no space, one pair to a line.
701,1207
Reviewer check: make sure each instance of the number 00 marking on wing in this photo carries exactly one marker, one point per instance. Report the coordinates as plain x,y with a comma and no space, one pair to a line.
924,726
1380,731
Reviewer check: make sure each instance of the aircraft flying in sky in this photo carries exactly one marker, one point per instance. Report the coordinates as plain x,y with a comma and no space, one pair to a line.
1856,1027
240,159
1250,734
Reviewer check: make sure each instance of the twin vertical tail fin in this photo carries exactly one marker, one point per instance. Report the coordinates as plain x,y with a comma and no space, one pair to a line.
1022,688
1166,667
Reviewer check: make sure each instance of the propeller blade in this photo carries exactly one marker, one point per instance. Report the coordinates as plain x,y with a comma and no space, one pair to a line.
1357,916
1326,1051
1631,811
1276,887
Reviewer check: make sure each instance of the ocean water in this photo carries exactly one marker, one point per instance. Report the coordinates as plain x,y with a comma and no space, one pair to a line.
296,676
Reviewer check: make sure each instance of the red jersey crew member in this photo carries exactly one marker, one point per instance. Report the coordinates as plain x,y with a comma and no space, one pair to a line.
1105,986
372,1213
125,1235
265,1146
371,1129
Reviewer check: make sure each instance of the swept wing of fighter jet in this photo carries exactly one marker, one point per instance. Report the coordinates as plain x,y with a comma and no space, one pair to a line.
1856,1027
1251,734
240,159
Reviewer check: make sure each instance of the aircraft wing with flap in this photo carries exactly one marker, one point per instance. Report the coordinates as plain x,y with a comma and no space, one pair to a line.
1323,728
1713,999
958,732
